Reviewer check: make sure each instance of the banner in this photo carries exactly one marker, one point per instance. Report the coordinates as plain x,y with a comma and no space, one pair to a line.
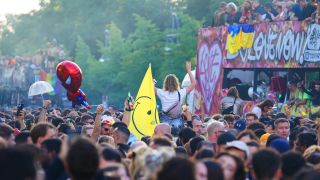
288,44
209,69
144,116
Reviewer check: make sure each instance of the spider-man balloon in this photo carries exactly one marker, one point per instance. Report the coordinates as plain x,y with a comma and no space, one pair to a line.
70,75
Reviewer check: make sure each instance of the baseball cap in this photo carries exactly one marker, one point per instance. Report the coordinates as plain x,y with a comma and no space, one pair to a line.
240,125
281,145
239,145
107,120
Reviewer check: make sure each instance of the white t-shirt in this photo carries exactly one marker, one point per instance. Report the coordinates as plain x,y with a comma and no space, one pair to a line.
257,111
168,99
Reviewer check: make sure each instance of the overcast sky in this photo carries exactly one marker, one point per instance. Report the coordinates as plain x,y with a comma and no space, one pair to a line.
17,6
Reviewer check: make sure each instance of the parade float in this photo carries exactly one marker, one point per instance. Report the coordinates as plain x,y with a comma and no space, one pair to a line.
259,61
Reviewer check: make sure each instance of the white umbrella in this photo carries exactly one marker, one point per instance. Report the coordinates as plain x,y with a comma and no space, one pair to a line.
40,88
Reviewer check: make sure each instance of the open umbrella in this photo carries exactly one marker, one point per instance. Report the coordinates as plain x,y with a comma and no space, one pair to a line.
40,88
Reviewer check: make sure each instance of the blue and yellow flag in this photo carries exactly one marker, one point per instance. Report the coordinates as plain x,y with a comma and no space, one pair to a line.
247,33
144,116
234,38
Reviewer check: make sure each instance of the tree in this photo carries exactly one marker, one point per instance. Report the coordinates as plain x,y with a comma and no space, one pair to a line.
83,54
114,54
86,62
186,49
199,9
204,10
146,47
137,37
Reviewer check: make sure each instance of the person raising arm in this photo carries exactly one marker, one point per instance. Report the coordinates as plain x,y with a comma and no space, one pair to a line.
97,123
171,86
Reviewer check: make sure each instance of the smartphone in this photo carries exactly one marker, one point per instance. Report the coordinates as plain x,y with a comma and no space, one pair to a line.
19,108
130,101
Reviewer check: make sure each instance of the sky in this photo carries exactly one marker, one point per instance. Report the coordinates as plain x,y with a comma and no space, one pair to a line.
17,7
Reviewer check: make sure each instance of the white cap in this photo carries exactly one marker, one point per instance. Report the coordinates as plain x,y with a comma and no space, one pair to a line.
239,145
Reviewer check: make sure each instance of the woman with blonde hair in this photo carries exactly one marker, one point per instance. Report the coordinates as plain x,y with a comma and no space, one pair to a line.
231,11
171,96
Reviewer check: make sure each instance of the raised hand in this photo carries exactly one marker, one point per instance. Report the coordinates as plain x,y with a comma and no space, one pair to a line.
188,66
46,103
100,109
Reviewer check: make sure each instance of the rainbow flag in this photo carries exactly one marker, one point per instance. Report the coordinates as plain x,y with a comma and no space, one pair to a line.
247,34
234,39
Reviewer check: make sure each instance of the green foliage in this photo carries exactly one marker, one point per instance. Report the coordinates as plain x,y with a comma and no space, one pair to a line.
187,48
145,47
114,55
137,37
199,9
83,54
204,9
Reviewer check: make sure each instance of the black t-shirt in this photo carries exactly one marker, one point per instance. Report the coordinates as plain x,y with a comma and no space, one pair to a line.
260,10
230,19
303,13
308,10
237,17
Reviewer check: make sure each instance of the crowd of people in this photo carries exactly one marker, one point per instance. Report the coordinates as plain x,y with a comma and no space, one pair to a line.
17,73
299,101
257,11
54,143
75,143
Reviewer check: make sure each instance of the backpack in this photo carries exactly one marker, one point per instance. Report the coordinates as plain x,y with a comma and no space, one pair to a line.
229,110
175,110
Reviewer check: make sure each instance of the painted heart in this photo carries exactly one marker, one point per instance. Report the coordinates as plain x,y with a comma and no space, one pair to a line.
208,71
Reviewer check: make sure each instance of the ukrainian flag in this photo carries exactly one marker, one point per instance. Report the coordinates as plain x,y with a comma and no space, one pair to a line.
247,34
234,39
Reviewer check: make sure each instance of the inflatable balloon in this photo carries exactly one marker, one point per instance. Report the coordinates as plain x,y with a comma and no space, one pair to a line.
78,98
70,75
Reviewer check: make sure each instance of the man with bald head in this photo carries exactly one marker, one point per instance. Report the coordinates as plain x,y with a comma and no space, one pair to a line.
162,129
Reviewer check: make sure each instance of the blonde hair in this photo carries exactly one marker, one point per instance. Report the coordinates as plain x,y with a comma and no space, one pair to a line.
147,161
231,6
312,149
233,91
106,139
171,83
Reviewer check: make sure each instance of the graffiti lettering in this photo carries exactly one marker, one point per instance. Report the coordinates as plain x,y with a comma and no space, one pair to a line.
209,66
288,46
312,50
